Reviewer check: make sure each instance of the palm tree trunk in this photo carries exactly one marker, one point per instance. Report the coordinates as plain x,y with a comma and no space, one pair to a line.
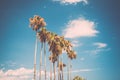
51,69
68,69
54,71
58,68
40,76
35,59
60,76
62,67
45,59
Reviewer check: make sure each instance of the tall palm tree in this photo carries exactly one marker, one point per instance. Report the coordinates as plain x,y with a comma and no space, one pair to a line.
55,48
42,36
71,55
53,56
36,23
58,51
68,47
61,65
35,27
53,59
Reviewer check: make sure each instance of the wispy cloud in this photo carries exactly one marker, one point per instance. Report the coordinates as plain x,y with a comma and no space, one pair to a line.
100,45
75,43
97,51
83,70
66,2
18,74
80,28
27,74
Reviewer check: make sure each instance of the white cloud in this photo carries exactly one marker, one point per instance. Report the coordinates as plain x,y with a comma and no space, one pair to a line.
27,74
75,43
82,70
18,74
80,28
100,45
99,48
97,51
72,1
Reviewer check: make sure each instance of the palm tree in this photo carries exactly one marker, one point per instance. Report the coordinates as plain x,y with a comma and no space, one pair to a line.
71,55
35,27
53,59
55,47
61,66
42,36
67,47
51,38
36,23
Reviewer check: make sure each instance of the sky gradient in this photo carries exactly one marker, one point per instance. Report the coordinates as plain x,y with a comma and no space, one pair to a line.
93,27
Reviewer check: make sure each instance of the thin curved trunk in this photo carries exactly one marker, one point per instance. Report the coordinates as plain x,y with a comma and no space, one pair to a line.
62,75
54,71
58,68
35,59
40,76
45,59
51,69
62,68
68,70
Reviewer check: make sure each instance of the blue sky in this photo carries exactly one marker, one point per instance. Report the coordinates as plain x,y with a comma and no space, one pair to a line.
91,25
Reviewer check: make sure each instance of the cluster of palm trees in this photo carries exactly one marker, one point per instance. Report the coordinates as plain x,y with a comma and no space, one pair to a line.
57,44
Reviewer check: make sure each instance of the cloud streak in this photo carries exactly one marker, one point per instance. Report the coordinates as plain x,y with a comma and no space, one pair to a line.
82,70
100,45
66,2
80,28
75,43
